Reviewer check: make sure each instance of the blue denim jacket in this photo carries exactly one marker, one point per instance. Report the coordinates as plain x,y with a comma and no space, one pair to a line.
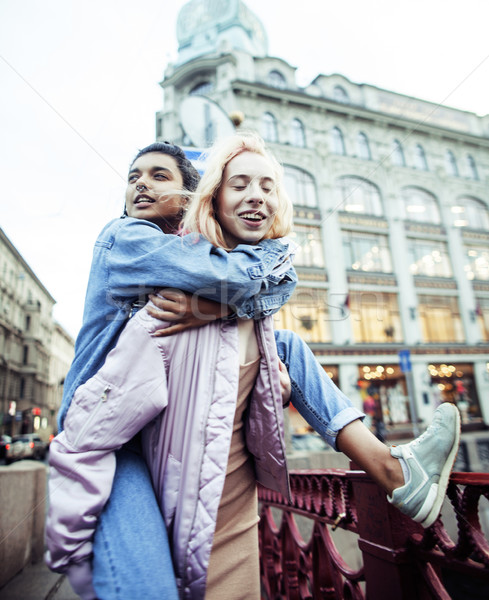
132,257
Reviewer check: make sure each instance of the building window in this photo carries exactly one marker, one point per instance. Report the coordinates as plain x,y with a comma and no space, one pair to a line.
366,252
340,94
451,164
25,355
429,258
357,195
159,127
307,314
477,262
363,147
202,89
337,141
375,317
440,319
470,212
269,127
300,186
310,248
27,322
297,133
398,154
277,80
420,205
420,161
473,173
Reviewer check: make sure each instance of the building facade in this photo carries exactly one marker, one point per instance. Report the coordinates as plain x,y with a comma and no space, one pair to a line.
35,352
391,211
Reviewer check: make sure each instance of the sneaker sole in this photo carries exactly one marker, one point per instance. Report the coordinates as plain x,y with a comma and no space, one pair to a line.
444,477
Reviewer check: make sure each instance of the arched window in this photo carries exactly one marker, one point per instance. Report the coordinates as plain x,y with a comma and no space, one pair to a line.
470,212
202,89
340,94
398,154
473,174
300,186
451,164
420,161
337,141
420,205
277,80
363,147
297,133
269,127
357,195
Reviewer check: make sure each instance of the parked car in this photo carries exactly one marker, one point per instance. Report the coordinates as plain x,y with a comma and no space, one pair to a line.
4,441
14,450
34,447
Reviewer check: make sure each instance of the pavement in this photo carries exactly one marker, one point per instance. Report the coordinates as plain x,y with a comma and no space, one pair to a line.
37,582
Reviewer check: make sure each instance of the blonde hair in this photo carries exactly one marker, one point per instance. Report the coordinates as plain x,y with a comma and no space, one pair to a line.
201,214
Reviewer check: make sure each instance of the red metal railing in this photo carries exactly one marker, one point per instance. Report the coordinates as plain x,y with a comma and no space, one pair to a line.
397,558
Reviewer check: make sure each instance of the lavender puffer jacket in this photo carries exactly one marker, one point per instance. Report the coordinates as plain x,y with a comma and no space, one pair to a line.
170,387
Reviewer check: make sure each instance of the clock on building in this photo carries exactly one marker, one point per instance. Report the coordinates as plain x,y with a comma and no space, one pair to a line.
201,15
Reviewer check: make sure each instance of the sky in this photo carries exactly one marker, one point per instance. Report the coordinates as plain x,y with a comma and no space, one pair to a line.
79,81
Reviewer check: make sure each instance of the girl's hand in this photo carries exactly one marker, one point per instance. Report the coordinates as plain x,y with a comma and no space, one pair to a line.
183,310
285,385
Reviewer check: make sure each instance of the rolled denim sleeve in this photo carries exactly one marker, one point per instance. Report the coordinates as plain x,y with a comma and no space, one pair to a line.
141,258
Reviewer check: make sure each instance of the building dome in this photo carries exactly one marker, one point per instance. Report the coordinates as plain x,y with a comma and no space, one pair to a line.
204,25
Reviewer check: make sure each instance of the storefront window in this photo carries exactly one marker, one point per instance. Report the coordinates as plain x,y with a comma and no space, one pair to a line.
375,317
440,319
455,383
307,314
384,395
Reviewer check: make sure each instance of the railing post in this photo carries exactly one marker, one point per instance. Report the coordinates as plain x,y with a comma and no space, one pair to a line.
390,572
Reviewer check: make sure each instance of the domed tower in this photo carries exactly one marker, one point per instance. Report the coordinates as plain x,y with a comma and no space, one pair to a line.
205,26
219,42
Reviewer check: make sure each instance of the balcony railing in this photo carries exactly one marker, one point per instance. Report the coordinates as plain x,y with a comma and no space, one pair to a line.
397,558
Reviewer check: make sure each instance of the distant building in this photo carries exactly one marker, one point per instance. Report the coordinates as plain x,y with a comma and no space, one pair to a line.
35,352
391,201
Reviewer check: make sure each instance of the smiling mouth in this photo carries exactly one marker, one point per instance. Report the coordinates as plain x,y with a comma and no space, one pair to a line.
143,199
252,216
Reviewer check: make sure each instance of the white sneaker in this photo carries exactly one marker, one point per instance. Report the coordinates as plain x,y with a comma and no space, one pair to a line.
429,459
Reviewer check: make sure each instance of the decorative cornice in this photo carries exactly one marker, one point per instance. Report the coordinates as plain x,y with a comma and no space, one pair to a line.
434,283
393,350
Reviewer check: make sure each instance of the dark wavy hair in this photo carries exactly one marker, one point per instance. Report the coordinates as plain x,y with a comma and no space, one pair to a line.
189,173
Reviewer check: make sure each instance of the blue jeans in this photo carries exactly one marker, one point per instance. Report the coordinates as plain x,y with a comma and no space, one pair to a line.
131,553
314,395
138,564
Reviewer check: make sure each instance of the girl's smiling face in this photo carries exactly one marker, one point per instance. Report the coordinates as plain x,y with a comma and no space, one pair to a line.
154,187
246,201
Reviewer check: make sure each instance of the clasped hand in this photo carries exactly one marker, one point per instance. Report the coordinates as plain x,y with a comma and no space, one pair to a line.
186,311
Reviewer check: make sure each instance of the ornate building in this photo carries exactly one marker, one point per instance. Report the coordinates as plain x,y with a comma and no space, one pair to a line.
391,202
35,352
